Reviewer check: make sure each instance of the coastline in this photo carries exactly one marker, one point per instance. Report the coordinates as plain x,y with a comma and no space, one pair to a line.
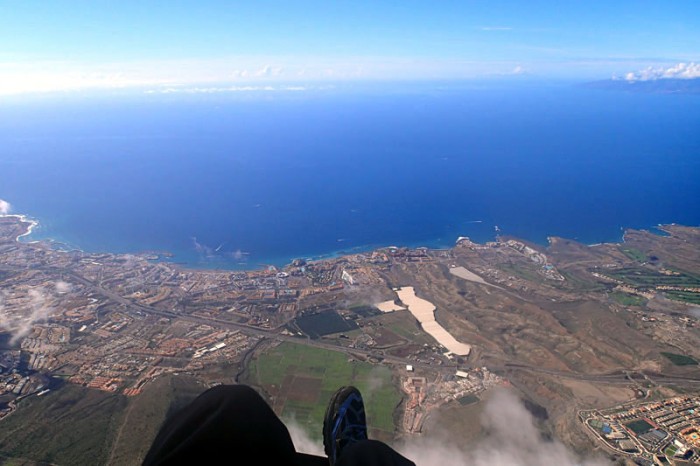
433,244
24,219
187,260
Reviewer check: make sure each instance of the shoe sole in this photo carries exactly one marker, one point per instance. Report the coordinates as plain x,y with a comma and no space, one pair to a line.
329,419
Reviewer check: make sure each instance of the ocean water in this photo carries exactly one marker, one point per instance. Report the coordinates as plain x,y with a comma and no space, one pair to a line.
245,179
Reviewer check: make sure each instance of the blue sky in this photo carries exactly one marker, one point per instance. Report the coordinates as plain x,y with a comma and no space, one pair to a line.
173,43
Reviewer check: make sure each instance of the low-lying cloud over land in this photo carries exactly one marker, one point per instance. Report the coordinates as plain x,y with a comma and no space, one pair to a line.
19,325
63,287
512,439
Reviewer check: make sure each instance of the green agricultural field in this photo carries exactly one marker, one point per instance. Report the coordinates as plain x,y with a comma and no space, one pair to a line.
627,299
579,283
680,359
301,380
406,326
526,273
645,277
634,254
687,296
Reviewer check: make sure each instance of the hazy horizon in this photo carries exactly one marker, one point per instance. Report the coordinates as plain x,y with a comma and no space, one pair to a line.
68,46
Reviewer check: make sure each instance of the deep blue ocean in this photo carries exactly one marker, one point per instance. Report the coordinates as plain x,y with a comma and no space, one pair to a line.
244,179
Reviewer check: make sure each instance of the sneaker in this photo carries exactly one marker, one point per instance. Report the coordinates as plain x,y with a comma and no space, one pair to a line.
344,422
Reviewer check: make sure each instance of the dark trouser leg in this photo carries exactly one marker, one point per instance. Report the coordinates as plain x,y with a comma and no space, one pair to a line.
371,453
230,422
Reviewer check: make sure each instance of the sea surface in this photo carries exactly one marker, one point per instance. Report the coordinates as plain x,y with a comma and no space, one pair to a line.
247,179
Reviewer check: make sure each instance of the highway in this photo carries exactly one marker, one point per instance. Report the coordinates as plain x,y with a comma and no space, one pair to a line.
618,377
249,329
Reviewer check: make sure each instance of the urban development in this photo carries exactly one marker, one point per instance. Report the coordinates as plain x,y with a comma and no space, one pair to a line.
603,339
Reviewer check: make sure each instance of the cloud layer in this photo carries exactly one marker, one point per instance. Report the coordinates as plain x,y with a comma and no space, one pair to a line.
679,71
512,439
236,73
216,90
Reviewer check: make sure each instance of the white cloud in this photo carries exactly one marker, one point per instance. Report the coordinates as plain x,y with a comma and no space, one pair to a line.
258,73
63,287
512,440
229,74
20,325
301,439
240,74
43,77
265,71
268,71
216,90
5,207
679,71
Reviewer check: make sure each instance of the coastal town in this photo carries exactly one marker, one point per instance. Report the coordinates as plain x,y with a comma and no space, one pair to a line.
654,432
118,322
114,323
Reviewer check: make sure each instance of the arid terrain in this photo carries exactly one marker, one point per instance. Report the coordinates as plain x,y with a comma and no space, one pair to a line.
90,340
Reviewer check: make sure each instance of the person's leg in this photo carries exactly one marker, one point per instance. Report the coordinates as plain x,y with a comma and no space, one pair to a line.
345,434
227,422
371,453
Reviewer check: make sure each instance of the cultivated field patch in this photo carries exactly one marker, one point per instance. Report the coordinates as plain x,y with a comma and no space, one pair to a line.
301,379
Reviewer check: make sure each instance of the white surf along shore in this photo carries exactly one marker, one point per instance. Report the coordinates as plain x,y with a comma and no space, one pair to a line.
32,223
424,311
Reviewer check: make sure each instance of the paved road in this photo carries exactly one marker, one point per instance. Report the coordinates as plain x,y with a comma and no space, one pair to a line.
617,377
620,376
249,329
